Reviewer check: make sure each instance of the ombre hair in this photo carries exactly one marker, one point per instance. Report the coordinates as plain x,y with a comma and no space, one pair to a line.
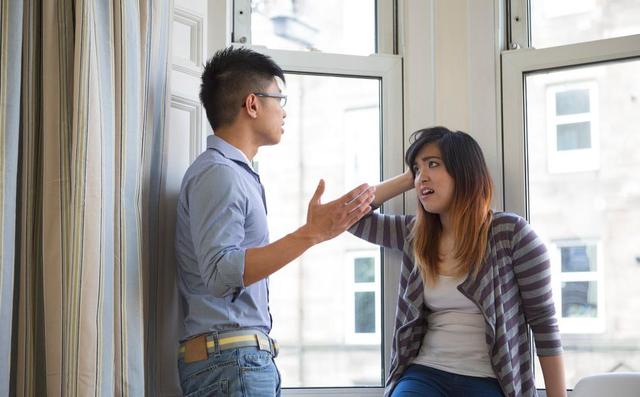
469,210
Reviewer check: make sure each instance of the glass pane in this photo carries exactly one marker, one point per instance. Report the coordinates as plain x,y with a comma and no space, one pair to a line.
572,101
595,200
345,27
579,299
332,131
555,22
365,312
364,270
578,259
574,136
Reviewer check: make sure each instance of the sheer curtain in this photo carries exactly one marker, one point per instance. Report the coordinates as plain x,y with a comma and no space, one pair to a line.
84,103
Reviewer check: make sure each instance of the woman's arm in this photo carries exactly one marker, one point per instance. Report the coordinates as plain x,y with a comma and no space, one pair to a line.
392,187
389,231
553,373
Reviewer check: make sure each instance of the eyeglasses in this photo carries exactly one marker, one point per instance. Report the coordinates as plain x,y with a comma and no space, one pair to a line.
282,98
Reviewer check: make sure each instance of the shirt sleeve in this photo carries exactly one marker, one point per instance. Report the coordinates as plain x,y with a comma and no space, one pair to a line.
533,274
217,212
389,231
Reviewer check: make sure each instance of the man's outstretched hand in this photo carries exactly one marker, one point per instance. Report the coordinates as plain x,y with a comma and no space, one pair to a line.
326,221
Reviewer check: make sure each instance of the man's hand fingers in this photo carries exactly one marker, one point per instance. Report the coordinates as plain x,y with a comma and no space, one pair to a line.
347,198
364,200
355,216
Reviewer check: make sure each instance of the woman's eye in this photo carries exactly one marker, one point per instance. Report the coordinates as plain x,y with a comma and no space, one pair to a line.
433,164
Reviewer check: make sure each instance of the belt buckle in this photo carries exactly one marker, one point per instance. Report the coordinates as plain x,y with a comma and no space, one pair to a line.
195,349
263,343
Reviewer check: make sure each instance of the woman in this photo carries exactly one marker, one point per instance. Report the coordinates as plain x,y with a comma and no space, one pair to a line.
472,283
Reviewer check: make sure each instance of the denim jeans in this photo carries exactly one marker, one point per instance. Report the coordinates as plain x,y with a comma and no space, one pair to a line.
241,372
422,381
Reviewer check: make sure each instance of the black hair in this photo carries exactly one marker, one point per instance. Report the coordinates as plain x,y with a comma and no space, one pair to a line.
469,208
458,149
228,77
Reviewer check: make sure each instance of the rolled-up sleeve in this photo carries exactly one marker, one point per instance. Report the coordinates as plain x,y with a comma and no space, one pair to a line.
217,212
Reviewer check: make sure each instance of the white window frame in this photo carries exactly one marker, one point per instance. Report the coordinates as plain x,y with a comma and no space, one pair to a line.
519,60
516,64
351,287
576,160
407,102
572,325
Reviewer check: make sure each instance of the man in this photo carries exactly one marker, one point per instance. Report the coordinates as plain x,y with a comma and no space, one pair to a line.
222,242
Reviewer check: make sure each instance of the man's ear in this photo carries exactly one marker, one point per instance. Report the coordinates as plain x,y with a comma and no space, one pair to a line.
251,106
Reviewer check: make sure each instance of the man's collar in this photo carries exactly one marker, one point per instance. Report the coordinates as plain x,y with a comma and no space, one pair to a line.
228,150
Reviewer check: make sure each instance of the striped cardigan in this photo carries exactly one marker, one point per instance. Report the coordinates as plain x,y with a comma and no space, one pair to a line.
512,290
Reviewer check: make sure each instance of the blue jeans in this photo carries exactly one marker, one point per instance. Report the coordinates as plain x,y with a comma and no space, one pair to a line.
421,381
241,372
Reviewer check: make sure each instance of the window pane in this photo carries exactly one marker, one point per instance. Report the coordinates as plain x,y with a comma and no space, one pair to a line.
332,131
595,285
365,312
562,22
578,259
574,136
572,101
345,27
364,270
579,299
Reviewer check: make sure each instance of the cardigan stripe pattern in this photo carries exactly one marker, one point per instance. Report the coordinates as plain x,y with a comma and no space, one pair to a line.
512,290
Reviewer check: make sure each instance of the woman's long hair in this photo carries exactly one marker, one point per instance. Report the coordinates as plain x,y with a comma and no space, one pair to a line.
470,207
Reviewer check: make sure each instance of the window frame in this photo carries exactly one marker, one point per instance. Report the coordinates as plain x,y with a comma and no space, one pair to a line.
521,59
388,69
516,65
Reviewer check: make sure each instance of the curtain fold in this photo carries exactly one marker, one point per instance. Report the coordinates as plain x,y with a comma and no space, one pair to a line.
10,58
92,113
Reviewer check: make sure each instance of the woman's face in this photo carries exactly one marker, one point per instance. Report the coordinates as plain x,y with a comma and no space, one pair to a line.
433,183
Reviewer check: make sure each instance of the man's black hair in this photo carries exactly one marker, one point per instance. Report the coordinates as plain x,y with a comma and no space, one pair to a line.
228,77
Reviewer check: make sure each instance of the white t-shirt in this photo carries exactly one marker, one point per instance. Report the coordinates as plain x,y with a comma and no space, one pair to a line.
455,340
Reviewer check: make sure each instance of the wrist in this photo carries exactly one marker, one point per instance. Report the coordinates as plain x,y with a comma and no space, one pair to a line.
408,180
308,235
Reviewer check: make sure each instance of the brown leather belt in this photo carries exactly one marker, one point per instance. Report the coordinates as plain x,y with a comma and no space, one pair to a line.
199,347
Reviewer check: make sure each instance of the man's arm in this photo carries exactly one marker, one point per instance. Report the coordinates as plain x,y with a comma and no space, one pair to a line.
324,222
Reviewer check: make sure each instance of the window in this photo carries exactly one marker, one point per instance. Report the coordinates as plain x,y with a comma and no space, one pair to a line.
345,27
572,128
566,111
578,286
323,329
564,22
343,109
335,26
363,314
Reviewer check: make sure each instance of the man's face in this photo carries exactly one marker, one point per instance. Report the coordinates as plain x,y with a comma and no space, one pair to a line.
270,121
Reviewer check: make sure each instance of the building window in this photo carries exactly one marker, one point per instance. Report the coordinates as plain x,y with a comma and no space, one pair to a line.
363,289
573,142
578,286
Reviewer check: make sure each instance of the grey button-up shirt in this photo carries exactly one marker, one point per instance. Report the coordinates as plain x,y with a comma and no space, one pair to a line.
221,212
